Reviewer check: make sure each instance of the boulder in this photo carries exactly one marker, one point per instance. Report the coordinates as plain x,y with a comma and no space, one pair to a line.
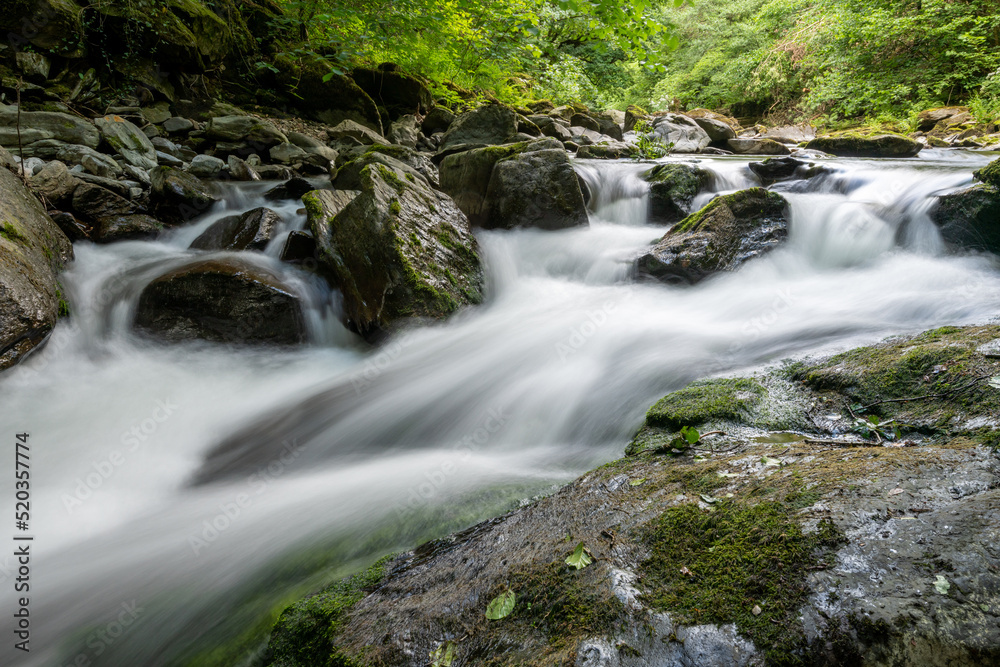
926,120
93,202
405,131
157,113
399,93
608,151
125,227
312,146
420,163
757,146
178,196
206,166
221,300
41,125
486,126
990,174
127,140
970,218
855,145
258,134
397,249
51,25
54,183
178,125
672,190
728,232
683,132
717,130
33,251
791,134
535,189
584,120
773,169
299,247
552,128
287,153
439,119
291,189
609,126
240,170
349,129
251,231
697,114
634,115
94,162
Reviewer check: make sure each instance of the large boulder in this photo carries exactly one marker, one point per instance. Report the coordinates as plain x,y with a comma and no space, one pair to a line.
250,231
719,131
51,25
328,99
856,145
486,126
757,146
535,189
635,115
224,301
177,196
125,227
728,232
672,190
259,134
41,125
970,218
775,168
127,140
685,135
399,93
32,252
54,183
350,129
397,249
347,171
791,134
926,120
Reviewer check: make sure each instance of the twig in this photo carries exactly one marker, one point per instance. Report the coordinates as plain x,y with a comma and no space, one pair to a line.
20,146
943,394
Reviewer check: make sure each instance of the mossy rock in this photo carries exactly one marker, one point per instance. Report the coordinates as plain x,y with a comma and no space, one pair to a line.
970,218
990,174
725,234
672,190
854,144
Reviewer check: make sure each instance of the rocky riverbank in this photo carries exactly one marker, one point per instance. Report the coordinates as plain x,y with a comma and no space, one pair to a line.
828,512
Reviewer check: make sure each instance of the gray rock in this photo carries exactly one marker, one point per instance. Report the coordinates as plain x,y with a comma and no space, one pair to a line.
34,66
615,150
717,130
399,249
312,145
33,251
299,247
535,189
178,125
156,114
349,129
728,232
287,153
683,132
240,170
672,190
244,129
93,202
139,175
489,125
218,300
885,145
250,231
438,119
128,140
126,228
167,160
54,183
405,131
968,218
206,166
756,146
178,196
40,125
121,188
791,134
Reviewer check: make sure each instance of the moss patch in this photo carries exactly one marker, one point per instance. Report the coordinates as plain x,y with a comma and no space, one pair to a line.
10,232
740,557
700,402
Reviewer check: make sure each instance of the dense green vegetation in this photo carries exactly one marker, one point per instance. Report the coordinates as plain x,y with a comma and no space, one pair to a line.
825,59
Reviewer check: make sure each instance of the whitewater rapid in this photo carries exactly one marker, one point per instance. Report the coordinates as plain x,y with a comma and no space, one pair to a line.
335,453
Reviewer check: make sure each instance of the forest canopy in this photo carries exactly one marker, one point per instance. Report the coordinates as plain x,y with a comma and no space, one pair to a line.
795,59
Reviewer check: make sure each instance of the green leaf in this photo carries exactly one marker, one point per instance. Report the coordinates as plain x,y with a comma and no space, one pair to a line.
690,434
501,606
579,558
443,655
638,482
768,461
941,585
708,499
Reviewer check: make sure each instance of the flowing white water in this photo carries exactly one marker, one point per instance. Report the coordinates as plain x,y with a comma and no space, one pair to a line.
334,453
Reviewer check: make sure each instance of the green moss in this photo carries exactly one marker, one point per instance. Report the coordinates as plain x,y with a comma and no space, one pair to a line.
740,556
10,232
304,632
395,208
990,174
390,177
700,402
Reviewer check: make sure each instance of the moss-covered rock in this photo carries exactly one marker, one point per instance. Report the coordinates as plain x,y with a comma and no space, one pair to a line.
729,231
672,190
486,126
53,25
858,145
399,249
399,93
536,188
328,100
32,252
990,174
970,218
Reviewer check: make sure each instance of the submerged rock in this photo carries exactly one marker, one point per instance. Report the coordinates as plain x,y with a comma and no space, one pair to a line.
249,231
397,248
729,231
223,301
770,548
855,145
672,190
32,252
178,196
773,169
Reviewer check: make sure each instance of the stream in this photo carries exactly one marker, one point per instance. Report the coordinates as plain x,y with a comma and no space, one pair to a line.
182,493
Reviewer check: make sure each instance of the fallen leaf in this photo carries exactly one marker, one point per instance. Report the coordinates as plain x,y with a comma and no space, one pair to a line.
443,655
686,571
756,611
768,461
709,499
501,606
638,482
579,558
941,585
895,492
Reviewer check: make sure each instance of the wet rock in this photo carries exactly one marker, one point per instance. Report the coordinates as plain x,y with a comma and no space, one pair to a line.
252,230
849,145
240,170
728,232
287,153
969,218
125,227
672,190
127,140
683,132
258,133
757,146
486,126
33,251
206,166
42,125
398,249
773,169
299,247
121,188
535,189
312,146
178,196
291,189
347,175
178,125
612,151
225,301
94,202
71,227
